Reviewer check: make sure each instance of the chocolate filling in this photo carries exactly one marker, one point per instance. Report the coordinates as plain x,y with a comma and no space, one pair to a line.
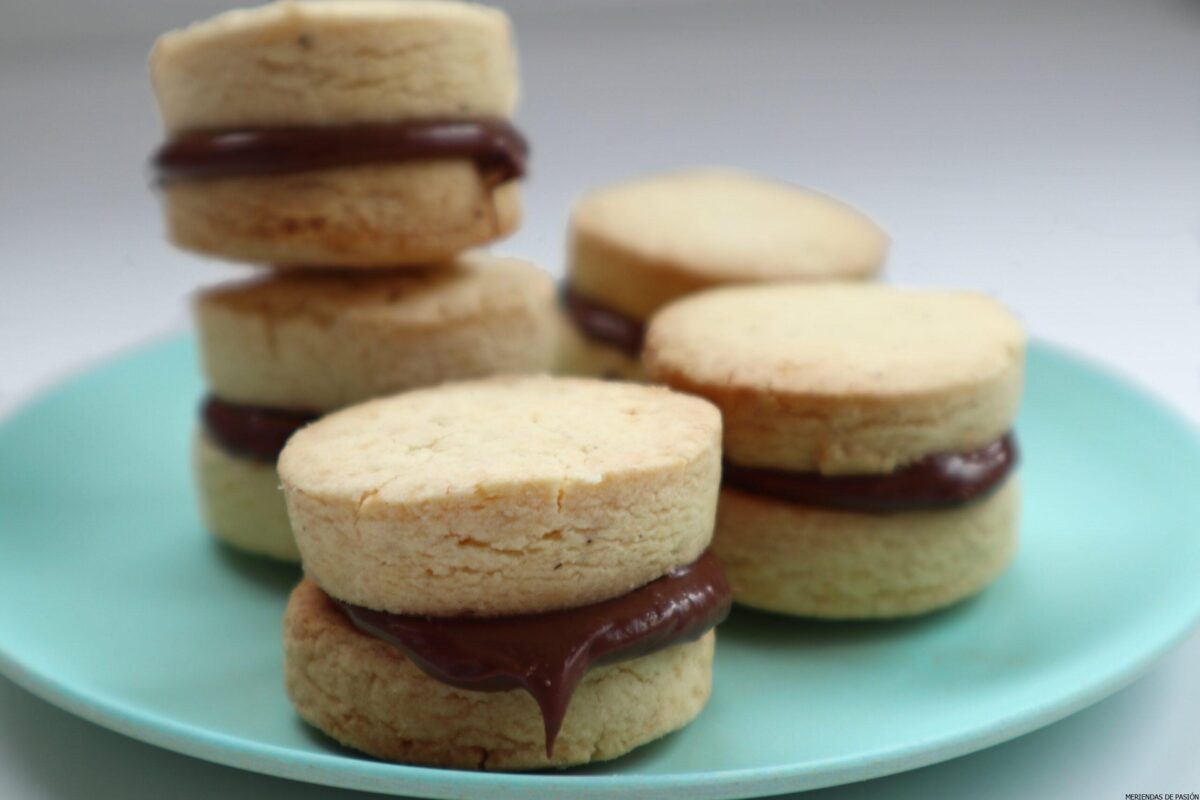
252,431
605,325
938,481
496,147
548,654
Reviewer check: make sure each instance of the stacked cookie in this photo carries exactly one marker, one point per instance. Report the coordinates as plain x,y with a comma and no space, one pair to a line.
868,448
507,573
359,149
363,133
634,247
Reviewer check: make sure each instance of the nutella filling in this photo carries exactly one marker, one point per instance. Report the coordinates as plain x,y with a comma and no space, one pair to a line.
497,148
605,325
252,431
938,481
548,654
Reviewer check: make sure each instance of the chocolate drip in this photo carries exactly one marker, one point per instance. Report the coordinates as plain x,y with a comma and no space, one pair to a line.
938,481
599,322
548,654
252,431
496,147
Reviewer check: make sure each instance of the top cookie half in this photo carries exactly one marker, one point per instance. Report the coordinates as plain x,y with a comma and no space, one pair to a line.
335,63
503,496
637,245
321,339
843,378
353,87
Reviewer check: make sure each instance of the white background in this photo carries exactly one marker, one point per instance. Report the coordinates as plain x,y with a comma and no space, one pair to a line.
1048,152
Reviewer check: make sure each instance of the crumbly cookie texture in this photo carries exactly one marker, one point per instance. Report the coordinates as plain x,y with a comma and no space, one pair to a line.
241,502
365,694
296,63
358,217
576,354
843,378
503,496
636,246
322,340
812,562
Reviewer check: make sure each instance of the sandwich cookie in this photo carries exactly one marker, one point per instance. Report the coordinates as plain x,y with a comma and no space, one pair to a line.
505,574
361,133
635,246
280,351
868,448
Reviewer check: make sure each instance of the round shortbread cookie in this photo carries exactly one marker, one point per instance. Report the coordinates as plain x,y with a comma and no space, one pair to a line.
843,378
578,355
335,63
503,496
638,245
320,340
317,64
367,695
369,216
241,502
812,562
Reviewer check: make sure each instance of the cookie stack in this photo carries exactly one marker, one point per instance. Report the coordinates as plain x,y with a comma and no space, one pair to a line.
358,149
512,572
634,247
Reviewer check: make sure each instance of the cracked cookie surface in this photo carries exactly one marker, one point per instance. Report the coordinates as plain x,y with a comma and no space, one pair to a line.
843,378
503,496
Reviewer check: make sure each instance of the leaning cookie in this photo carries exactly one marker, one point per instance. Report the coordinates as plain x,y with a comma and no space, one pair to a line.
279,351
351,134
505,574
636,246
868,449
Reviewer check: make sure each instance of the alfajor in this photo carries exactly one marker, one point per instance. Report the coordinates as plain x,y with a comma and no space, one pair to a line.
362,133
635,246
868,440
505,574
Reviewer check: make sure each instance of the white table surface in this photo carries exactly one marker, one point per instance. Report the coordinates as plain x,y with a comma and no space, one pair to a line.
1048,152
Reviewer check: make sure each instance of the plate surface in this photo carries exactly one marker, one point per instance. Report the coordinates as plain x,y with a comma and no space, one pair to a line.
116,606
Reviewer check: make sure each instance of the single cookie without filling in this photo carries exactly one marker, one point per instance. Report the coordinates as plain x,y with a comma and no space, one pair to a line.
636,246
364,133
868,447
507,573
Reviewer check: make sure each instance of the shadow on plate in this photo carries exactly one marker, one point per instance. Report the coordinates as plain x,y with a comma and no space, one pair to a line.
276,577
770,631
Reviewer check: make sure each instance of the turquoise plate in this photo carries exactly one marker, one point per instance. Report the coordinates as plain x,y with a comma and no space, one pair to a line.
116,606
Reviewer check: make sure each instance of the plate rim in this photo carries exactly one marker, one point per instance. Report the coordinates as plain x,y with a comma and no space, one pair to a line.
335,770
427,782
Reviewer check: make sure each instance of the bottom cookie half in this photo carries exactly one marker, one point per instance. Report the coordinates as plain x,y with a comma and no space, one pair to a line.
367,695
812,562
582,356
373,215
241,502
